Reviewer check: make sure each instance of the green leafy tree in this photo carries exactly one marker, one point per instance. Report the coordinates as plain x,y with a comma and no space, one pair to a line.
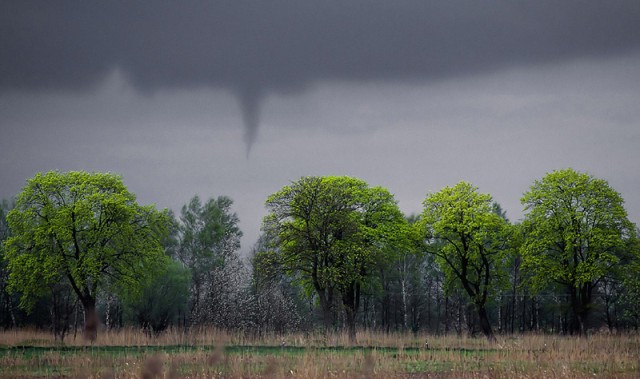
396,289
330,232
85,229
630,294
470,240
577,233
7,301
164,299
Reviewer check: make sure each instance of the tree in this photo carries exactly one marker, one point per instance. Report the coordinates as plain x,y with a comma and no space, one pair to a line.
209,240
330,232
85,229
630,283
396,290
7,301
469,239
273,306
577,233
164,299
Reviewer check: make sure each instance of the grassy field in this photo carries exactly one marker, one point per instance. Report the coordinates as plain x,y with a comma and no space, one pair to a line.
213,354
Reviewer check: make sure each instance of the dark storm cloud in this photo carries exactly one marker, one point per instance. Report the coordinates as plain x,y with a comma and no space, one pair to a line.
256,47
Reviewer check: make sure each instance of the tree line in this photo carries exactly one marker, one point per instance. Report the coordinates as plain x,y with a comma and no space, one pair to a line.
79,253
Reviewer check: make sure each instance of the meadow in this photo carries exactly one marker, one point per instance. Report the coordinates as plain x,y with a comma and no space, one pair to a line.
214,354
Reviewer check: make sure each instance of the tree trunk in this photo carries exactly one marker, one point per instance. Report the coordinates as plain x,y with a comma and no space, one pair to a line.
327,318
404,305
350,301
350,316
91,321
325,295
447,319
485,325
580,302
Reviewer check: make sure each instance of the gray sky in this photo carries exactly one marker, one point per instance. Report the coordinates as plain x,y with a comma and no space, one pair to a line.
410,95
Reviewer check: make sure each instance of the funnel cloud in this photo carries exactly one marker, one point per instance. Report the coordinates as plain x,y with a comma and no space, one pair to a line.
412,95
287,45
250,99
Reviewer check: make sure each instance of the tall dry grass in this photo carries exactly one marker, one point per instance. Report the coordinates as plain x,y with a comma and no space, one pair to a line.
212,336
310,356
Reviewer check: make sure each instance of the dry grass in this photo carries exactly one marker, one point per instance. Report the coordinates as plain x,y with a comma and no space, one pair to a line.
209,336
201,354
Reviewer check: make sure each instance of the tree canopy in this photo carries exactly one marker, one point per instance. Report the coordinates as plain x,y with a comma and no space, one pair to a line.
85,229
329,232
334,252
469,239
577,233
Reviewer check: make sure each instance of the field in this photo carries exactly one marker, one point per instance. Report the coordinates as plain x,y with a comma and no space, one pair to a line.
213,354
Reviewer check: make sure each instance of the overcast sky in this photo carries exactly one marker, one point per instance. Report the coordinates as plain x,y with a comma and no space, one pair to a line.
239,98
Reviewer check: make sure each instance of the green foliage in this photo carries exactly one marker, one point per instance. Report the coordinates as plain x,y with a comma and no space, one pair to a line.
164,299
577,230
631,292
335,224
5,233
209,234
468,237
577,234
330,232
208,243
8,302
83,228
5,207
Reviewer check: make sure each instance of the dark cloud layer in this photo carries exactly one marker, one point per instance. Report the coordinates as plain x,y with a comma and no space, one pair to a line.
256,47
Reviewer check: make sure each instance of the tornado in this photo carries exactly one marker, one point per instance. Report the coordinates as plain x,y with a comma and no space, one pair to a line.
250,99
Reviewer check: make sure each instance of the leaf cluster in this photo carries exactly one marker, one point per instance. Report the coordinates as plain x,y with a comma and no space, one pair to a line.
332,230
576,228
84,228
469,238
